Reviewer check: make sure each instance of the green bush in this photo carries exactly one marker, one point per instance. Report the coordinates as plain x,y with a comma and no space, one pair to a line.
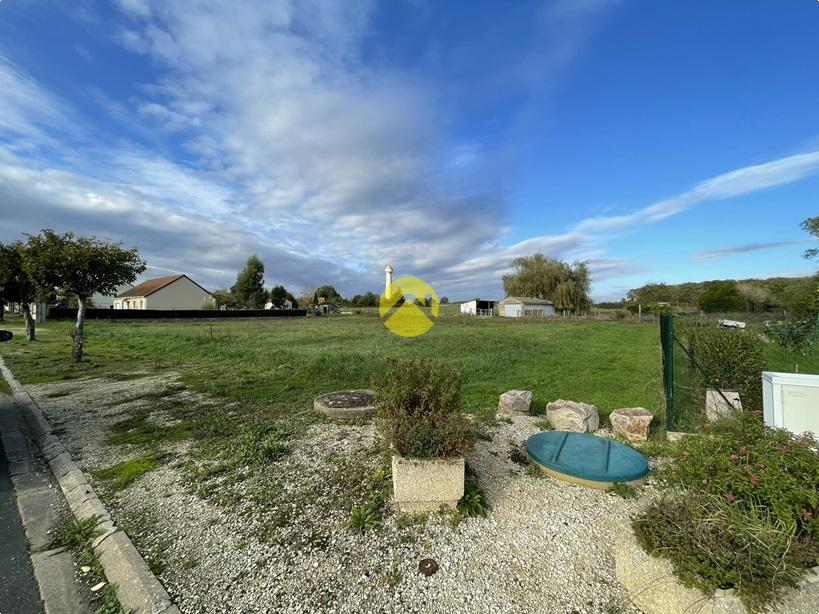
713,543
418,409
748,463
721,296
732,359
793,335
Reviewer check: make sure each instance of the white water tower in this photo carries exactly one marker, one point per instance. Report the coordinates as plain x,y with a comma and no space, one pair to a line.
388,281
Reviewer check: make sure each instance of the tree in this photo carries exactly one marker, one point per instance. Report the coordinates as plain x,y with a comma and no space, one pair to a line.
755,295
811,225
444,300
248,290
278,295
16,286
536,276
801,299
328,293
223,298
721,296
79,267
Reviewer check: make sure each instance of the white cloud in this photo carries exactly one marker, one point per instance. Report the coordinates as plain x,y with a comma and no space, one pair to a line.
327,163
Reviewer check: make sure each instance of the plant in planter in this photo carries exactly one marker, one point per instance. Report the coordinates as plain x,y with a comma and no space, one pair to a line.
418,410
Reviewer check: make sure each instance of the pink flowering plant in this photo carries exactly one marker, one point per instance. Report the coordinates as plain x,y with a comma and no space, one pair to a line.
748,463
739,508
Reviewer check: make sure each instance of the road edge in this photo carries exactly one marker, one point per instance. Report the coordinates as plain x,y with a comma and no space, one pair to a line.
139,590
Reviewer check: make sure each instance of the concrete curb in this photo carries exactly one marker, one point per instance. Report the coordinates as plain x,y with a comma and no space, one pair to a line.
139,590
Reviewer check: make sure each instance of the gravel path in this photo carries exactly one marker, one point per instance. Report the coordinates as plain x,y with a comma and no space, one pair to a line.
544,547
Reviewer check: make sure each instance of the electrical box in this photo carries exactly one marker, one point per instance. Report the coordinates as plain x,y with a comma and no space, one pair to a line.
791,401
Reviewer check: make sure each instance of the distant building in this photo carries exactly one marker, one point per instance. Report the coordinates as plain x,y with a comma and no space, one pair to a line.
521,306
172,292
106,301
287,304
478,307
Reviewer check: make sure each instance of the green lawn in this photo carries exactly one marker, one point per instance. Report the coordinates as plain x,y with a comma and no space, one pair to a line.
287,362
284,363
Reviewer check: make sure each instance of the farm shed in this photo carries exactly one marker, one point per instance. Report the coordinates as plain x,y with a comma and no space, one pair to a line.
478,307
521,306
172,292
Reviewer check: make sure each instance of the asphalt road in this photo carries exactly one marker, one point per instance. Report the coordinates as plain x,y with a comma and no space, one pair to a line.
18,588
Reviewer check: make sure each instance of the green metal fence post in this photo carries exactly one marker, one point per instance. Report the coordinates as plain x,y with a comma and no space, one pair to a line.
667,344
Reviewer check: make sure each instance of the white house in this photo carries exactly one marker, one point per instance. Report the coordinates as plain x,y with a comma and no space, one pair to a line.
288,304
172,292
521,306
477,307
106,301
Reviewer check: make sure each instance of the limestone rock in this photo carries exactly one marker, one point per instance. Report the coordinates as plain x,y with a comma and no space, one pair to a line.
572,416
715,406
631,422
515,402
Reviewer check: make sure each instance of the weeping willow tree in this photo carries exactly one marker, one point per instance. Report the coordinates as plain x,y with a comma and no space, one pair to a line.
566,285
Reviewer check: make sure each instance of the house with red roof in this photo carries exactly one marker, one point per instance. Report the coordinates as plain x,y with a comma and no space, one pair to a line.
172,292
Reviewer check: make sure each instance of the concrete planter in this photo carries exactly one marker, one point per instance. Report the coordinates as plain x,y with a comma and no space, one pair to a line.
653,587
425,485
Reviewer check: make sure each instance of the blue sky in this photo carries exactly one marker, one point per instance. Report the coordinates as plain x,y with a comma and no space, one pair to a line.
660,141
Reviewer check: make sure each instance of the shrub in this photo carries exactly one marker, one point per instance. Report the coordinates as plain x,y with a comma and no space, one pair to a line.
746,462
713,543
793,335
732,359
721,296
418,405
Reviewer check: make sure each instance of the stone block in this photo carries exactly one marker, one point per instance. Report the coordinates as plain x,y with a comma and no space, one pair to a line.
632,423
515,402
715,406
424,485
573,416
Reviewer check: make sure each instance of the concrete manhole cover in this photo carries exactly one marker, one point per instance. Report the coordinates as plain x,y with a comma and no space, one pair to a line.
346,404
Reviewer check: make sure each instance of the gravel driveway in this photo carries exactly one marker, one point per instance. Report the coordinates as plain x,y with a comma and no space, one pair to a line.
545,546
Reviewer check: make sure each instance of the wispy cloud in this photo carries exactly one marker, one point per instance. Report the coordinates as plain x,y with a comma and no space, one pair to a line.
747,247
735,183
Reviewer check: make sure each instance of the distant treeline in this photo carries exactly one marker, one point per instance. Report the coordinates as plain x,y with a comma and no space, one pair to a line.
795,295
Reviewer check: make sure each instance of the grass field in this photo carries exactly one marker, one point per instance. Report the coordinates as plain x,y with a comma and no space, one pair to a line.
288,362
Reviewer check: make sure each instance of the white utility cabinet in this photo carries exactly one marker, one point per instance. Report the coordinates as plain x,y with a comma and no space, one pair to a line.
791,401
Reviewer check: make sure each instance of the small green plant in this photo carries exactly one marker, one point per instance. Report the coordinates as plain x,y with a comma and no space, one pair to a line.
190,563
623,490
473,503
74,534
534,471
543,425
363,518
418,403
259,445
109,601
